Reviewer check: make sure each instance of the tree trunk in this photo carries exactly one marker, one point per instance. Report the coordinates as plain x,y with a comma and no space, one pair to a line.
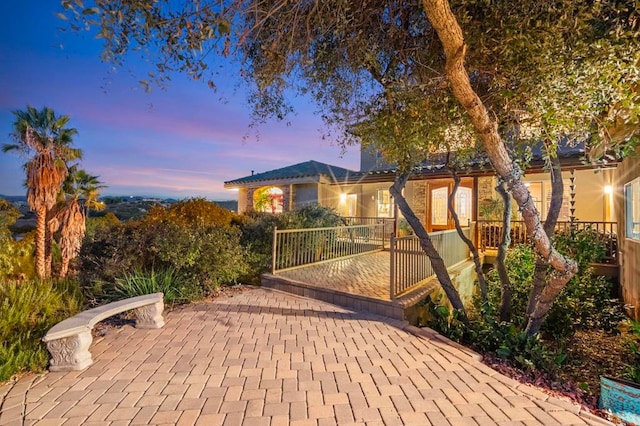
41,228
540,271
482,283
437,263
444,22
51,228
505,283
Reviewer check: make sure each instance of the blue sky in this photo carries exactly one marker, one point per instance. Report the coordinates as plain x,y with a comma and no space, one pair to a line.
184,141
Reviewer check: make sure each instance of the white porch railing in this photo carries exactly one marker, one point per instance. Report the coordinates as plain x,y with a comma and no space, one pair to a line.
410,265
293,248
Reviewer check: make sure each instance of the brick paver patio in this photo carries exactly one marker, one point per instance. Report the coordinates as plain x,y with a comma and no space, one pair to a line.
270,358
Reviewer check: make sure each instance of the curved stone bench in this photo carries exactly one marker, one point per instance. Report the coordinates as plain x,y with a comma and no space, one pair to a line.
68,341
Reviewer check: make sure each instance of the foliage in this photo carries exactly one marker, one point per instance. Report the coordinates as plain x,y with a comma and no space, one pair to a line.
27,310
95,223
200,250
312,216
632,369
585,303
167,281
195,212
265,201
16,258
486,334
8,215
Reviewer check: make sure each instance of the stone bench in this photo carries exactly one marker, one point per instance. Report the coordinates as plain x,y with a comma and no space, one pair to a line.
68,341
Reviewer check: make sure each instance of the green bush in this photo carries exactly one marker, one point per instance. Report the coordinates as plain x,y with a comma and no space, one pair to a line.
485,334
28,309
584,303
202,248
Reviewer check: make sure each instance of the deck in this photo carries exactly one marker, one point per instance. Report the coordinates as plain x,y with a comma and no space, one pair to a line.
358,282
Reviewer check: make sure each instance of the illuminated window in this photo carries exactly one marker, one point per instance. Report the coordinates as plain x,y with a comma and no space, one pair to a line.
632,209
439,212
268,199
385,203
463,205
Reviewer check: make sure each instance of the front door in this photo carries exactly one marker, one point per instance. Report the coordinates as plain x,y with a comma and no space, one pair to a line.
438,216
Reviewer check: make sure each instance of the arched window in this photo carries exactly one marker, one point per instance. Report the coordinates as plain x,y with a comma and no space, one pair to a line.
268,199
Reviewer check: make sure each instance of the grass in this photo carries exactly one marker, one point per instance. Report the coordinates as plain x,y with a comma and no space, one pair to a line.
27,310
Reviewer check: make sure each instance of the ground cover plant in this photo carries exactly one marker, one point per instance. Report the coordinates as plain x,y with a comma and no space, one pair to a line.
27,310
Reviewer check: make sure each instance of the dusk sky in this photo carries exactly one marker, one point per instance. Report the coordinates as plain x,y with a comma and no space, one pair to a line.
181,142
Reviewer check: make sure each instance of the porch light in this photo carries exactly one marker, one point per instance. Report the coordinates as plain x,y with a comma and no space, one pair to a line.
608,189
343,198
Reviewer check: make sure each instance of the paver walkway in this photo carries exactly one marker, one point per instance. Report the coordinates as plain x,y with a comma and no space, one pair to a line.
269,358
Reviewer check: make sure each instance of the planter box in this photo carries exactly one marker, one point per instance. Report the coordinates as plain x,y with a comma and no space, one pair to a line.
621,398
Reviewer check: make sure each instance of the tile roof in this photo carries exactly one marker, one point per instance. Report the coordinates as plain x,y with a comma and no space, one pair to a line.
301,170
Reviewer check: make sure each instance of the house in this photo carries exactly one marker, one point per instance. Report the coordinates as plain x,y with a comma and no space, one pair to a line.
626,200
365,193
601,198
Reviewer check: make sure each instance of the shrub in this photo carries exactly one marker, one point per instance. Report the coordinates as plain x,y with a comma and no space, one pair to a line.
584,303
105,221
312,216
487,335
16,257
167,281
28,309
200,249
193,212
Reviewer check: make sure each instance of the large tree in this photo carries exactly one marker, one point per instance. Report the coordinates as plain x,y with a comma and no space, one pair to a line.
43,139
416,77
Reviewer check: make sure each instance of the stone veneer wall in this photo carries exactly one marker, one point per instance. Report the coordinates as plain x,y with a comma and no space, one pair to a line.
419,202
250,193
286,197
486,191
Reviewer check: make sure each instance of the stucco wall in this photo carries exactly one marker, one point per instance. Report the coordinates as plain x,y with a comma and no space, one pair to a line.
242,200
304,194
589,200
629,249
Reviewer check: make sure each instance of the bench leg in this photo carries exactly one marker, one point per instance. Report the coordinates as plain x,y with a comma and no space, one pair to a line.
70,353
150,316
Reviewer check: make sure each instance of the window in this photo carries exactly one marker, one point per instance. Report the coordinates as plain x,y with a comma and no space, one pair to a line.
439,212
268,199
463,205
632,209
385,203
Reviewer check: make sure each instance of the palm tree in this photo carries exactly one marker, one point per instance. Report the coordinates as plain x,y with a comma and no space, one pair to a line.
81,192
42,138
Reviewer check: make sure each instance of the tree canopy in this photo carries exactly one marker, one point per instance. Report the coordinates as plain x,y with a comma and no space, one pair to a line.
545,70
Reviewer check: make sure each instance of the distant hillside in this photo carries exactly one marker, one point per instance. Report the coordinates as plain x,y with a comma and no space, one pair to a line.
14,198
229,205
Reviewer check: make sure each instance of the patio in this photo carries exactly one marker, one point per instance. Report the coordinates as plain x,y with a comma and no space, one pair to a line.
263,357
